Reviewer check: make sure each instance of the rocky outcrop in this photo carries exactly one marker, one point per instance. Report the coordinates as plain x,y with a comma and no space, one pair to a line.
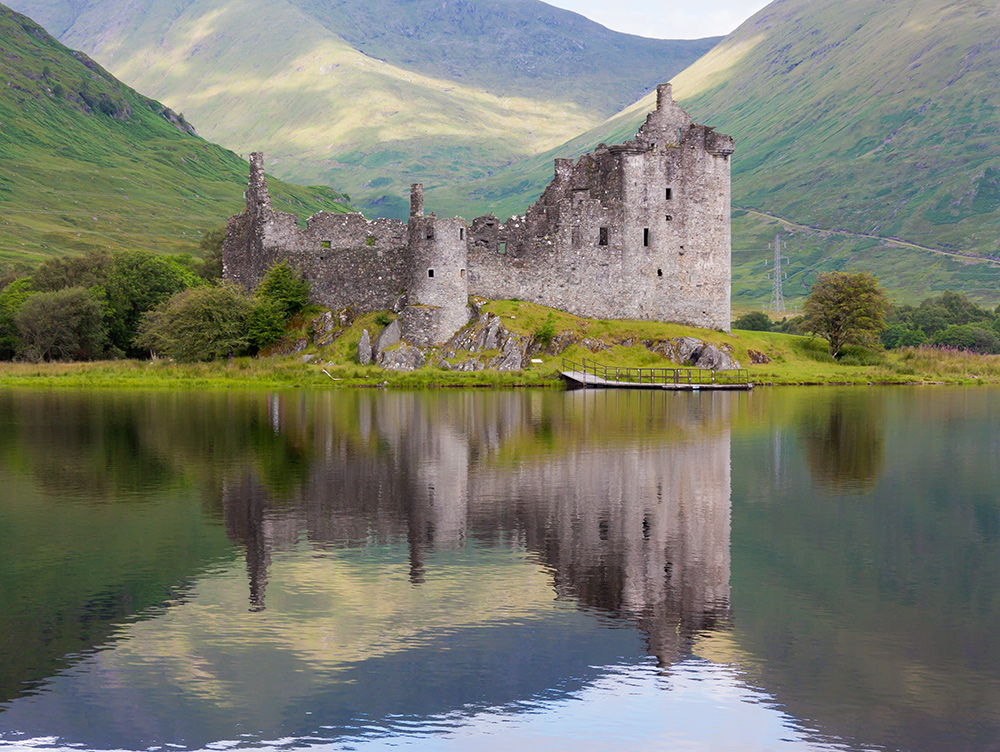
403,357
490,344
690,351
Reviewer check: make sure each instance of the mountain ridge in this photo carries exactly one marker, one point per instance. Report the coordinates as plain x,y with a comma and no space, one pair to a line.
325,111
89,163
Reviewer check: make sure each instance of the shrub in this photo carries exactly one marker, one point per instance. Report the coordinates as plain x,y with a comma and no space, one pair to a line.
546,332
968,337
266,325
755,321
200,323
62,325
286,288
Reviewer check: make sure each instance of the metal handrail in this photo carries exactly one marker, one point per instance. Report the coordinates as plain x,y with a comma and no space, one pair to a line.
629,375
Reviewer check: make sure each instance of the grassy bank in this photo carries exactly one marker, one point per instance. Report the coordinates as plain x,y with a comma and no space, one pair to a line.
791,360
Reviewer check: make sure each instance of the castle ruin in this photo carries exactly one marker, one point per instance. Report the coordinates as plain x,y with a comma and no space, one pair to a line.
639,230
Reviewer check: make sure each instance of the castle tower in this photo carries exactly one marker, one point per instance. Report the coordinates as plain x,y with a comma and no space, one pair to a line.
438,289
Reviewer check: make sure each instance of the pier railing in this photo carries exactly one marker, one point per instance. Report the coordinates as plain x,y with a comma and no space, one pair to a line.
678,376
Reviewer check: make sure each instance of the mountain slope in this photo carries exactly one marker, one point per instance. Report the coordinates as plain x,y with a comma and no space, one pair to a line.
89,163
877,118
372,95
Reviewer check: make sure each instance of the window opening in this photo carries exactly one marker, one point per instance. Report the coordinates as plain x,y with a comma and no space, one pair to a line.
370,241
670,194
659,272
461,273
430,231
324,244
670,218
503,248
645,236
430,274
602,238
461,233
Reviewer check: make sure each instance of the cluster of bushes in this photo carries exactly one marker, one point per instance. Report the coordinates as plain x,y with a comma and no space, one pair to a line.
950,320
134,304
755,321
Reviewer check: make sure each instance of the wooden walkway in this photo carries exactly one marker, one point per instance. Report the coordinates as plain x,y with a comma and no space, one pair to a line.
592,375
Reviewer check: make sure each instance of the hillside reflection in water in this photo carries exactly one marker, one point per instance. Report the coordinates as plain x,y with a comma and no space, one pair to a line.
379,568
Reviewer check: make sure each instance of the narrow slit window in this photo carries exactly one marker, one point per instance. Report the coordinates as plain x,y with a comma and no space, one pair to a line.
602,236
502,248
645,236
461,273
430,231
659,272
670,194
430,274
461,233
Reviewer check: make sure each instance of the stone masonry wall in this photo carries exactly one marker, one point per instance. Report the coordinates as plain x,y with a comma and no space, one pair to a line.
639,230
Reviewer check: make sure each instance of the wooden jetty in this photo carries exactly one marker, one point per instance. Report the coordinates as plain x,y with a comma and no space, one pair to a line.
592,375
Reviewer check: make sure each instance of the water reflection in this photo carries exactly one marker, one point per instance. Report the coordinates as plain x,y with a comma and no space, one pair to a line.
633,523
344,568
843,437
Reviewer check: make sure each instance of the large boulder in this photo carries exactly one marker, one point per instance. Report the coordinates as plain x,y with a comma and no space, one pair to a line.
405,357
388,337
365,349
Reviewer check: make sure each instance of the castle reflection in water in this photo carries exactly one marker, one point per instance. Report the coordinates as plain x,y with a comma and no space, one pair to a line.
628,508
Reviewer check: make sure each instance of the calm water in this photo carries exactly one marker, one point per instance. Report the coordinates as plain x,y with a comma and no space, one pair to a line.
814,569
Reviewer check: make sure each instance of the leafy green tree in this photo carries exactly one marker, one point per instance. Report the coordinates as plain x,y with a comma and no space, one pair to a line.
12,297
286,288
211,253
62,325
898,335
88,270
200,323
846,309
136,282
755,321
266,324
969,337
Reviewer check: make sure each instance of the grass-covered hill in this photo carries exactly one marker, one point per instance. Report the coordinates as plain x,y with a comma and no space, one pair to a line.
87,163
856,121
372,95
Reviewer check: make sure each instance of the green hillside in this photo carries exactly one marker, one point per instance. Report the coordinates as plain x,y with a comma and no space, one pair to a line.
89,163
372,95
858,122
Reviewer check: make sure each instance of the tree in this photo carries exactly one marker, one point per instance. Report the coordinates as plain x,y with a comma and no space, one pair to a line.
62,325
12,297
846,309
755,321
200,323
286,288
211,252
136,282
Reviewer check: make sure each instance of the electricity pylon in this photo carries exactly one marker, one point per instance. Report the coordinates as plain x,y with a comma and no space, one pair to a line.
777,304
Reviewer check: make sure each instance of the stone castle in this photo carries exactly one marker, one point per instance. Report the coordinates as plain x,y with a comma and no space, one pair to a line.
639,230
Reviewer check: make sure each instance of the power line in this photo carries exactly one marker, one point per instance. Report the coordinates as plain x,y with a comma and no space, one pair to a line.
777,304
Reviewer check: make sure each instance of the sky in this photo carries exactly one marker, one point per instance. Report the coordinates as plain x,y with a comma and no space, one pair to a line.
666,19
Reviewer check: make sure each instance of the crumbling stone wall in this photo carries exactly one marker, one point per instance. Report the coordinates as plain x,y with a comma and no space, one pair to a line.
637,230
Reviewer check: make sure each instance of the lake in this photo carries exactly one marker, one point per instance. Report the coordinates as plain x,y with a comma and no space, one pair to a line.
786,569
